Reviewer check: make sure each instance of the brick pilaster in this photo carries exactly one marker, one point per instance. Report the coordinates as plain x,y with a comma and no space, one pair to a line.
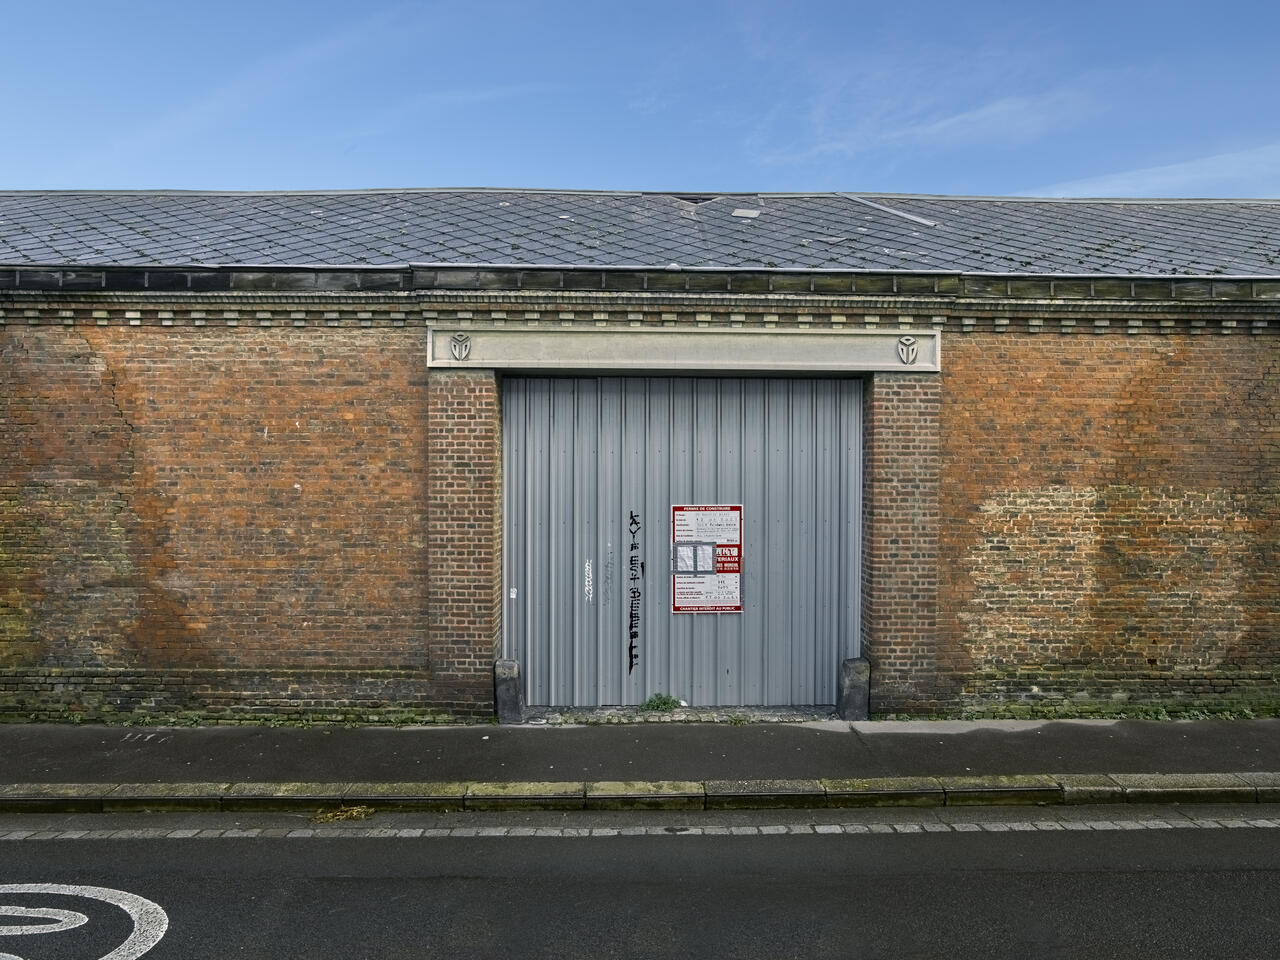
465,539
902,468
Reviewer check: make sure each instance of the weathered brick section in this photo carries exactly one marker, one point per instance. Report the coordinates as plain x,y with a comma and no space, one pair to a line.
222,695
230,499
69,584
464,502
1111,511
900,546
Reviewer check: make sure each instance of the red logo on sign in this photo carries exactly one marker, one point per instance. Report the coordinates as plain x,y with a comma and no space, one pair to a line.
728,558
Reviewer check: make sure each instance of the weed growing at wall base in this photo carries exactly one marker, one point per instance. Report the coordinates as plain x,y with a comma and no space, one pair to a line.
661,702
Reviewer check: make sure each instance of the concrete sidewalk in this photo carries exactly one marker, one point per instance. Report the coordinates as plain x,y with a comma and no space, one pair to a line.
642,765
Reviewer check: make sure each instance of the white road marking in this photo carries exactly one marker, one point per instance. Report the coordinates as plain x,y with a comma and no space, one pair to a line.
150,922
63,920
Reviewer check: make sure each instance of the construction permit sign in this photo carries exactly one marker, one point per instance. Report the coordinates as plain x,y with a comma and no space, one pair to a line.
706,558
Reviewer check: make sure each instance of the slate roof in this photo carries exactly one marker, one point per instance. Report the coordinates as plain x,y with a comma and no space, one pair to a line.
533,228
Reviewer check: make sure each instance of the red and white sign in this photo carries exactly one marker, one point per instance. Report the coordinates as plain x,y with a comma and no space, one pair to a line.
706,558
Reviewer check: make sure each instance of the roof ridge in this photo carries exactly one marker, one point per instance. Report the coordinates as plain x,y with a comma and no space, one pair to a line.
675,194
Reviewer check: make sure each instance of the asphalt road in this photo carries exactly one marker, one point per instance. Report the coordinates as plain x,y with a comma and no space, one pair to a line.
1132,893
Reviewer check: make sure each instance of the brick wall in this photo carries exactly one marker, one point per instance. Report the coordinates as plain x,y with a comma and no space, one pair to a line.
249,504
1110,513
284,512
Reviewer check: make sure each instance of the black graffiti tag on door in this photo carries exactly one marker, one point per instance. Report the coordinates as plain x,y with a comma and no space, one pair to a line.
635,592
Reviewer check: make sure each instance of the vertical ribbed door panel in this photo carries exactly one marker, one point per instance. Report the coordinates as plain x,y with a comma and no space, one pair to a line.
592,467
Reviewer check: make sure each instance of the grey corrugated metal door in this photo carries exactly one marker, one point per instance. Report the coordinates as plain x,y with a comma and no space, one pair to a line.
583,455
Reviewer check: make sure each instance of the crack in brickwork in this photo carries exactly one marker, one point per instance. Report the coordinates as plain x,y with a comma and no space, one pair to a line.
68,569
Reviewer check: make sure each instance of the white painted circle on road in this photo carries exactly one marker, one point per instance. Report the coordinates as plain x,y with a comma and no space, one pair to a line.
150,922
63,920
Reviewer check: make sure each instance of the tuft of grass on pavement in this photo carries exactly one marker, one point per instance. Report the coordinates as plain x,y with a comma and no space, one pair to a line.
660,703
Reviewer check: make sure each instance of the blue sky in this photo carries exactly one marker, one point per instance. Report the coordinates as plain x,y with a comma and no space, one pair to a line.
1070,99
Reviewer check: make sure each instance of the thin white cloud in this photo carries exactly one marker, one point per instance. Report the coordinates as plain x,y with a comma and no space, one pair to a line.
1243,173
402,111
928,97
863,125
454,97
263,82
1018,119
